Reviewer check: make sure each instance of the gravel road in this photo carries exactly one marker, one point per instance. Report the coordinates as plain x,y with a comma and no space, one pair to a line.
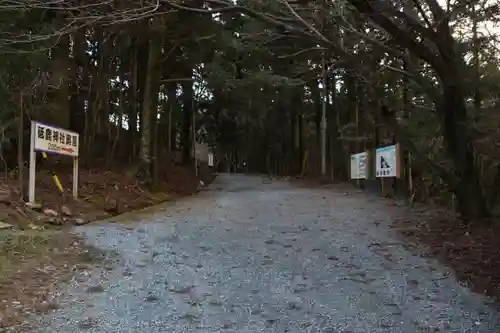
252,255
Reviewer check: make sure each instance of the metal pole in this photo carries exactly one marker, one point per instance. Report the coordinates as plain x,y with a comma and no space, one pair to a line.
323,118
32,170
75,177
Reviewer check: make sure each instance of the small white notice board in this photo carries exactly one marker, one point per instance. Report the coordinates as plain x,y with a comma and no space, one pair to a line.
50,139
359,166
210,159
387,162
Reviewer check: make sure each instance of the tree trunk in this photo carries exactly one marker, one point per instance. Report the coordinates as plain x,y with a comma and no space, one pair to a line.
455,124
155,152
300,134
476,49
337,155
143,52
406,113
187,114
352,110
471,201
133,102
102,112
149,108
316,96
171,103
59,115
77,109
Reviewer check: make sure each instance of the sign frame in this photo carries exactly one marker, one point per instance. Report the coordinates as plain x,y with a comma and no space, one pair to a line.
395,159
35,146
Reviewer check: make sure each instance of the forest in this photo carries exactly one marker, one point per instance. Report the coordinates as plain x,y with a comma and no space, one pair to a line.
266,84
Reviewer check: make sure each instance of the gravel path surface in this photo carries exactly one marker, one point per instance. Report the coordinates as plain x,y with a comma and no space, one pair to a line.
250,255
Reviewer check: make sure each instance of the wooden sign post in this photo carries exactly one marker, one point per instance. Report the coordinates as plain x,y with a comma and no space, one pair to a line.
49,139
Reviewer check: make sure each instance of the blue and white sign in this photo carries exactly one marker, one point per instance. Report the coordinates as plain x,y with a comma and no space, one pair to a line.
387,162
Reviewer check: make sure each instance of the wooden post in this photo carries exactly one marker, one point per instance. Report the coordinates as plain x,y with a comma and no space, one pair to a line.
20,144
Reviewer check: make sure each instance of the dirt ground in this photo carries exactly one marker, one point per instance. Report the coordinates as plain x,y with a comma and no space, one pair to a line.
256,255
34,260
32,263
39,252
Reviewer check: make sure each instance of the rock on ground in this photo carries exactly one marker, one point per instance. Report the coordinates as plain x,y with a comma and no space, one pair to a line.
250,255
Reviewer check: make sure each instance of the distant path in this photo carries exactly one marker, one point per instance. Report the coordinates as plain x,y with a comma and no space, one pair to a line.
250,255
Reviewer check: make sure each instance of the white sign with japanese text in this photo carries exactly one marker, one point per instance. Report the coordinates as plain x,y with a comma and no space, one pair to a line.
55,140
50,139
359,166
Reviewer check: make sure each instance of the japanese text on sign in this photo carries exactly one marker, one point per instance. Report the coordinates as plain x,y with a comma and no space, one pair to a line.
55,140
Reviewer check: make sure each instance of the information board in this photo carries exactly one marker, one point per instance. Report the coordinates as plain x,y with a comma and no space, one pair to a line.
359,166
387,162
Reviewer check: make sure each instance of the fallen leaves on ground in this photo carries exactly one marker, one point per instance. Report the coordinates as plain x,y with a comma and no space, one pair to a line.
102,193
472,250
31,265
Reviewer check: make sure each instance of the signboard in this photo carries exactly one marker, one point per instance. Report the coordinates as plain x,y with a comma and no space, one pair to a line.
359,166
50,139
201,152
55,140
387,162
210,159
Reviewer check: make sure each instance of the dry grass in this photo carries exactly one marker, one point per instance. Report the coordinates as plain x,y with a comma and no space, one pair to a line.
19,249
